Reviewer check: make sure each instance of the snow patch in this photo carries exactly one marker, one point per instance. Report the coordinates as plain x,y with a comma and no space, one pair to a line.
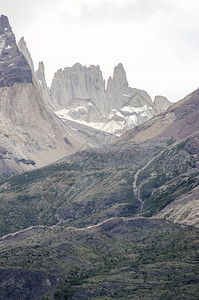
119,114
126,95
134,109
115,112
62,113
131,120
8,47
80,107
144,114
109,127
75,129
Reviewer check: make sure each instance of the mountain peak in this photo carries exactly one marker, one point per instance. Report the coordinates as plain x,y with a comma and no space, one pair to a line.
119,66
24,50
161,103
41,67
77,65
13,67
119,76
4,24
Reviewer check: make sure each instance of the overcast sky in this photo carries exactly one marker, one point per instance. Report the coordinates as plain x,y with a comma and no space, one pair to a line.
156,40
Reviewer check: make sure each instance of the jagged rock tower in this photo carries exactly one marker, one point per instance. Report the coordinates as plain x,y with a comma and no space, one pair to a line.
78,93
31,135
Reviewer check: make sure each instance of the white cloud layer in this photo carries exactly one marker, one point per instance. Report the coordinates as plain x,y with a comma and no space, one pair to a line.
156,40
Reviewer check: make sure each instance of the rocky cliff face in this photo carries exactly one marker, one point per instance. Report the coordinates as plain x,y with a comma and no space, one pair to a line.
161,103
78,93
40,76
78,82
178,122
117,88
30,133
24,50
13,65
131,105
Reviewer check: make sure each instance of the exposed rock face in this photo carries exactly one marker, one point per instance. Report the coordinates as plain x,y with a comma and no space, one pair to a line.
13,65
119,94
29,130
31,133
78,82
119,78
80,109
161,103
40,76
78,93
132,105
178,122
117,88
24,50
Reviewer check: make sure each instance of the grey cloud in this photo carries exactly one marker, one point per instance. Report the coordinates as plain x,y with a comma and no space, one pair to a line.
24,12
126,11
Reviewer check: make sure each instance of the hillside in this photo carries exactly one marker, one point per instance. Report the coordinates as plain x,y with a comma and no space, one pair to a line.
178,122
150,179
117,259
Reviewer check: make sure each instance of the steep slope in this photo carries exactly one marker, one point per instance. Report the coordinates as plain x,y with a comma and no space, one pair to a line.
13,67
30,133
178,122
83,189
40,76
167,186
118,91
128,105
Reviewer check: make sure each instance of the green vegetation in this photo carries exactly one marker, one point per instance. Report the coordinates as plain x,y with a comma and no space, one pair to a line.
171,175
132,259
94,185
89,187
120,258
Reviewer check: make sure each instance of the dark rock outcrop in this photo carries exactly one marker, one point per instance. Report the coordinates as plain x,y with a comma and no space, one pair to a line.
13,65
